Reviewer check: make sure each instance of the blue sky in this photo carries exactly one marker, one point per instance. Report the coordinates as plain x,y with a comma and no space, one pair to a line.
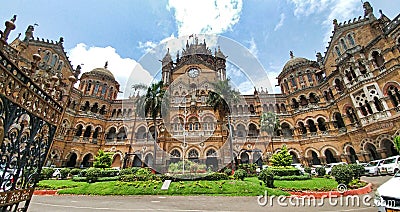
122,31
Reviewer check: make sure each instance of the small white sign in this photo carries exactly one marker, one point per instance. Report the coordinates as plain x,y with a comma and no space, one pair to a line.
165,185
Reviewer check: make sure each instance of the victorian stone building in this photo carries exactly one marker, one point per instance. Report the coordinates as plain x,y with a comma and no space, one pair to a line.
343,106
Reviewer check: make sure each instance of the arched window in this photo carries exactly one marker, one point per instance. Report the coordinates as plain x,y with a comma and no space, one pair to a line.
313,98
141,133
321,124
104,89
369,109
88,131
378,104
338,120
351,40
303,100
96,132
309,76
95,107
293,81
285,83
111,133
46,57
343,44
339,85
303,129
54,60
253,131
394,95
351,114
361,66
378,58
283,108
121,134
286,131
60,65
295,104
175,154
311,125
193,154
103,110
241,131
79,130
337,51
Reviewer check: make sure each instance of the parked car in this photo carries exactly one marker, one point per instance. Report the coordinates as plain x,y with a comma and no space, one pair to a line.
387,196
372,168
298,166
328,167
390,165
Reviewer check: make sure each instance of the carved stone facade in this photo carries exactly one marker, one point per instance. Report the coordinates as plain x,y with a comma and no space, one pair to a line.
345,106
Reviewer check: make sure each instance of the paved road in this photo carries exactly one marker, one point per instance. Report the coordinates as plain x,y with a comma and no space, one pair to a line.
192,203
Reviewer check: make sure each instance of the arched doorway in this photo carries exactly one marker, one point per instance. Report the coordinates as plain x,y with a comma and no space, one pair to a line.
295,158
330,158
193,155
315,160
116,161
371,150
257,159
352,155
148,160
388,146
212,161
87,160
244,158
72,160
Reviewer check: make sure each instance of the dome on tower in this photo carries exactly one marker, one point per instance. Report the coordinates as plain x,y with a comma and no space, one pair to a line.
102,72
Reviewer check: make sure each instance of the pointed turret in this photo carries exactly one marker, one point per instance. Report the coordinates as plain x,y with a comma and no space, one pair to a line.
167,65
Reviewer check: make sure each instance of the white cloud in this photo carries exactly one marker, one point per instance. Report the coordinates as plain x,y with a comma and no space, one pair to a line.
342,10
253,47
280,23
147,46
124,69
205,17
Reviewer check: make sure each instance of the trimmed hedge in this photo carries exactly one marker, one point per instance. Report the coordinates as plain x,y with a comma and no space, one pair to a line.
128,171
285,171
46,173
109,172
240,174
75,171
321,171
267,176
307,170
64,172
100,179
293,177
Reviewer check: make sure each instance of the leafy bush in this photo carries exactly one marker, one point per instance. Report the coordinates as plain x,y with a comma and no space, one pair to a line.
249,168
215,176
342,173
228,171
127,171
102,160
64,172
357,169
293,177
285,171
92,174
356,183
240,174
267,176
127,178
307,170
46,173
109,172
282,158
320,171
83,173
190,166
75,171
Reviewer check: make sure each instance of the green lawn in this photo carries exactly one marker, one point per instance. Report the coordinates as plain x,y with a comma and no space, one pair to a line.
248,187
314,184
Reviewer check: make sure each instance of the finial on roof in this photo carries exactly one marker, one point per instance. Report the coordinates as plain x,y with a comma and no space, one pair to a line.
335,24
106,65
13,18
291,54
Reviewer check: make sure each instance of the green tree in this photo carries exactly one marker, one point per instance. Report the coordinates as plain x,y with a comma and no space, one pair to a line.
151,104
269,123
282,158
102,160
220,99
397,143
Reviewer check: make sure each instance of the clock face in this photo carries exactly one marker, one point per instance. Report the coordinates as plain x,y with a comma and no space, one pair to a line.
193,72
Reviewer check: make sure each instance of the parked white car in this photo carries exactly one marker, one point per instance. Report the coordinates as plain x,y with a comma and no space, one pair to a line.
390,165
328,167
372,168
298,166
387,196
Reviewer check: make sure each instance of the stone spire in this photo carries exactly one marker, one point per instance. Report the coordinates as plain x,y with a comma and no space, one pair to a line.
106,65
9,26
167,58
368,10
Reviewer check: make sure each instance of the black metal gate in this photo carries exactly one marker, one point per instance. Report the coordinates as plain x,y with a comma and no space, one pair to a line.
28,119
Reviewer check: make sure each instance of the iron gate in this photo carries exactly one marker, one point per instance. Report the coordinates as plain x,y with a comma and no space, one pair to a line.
28,119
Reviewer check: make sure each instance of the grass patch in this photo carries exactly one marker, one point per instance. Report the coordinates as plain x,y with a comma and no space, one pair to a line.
313,184
247,187
57,184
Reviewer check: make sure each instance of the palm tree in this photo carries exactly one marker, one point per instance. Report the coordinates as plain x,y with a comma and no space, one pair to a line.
269,123
397,143
151,104
220,99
